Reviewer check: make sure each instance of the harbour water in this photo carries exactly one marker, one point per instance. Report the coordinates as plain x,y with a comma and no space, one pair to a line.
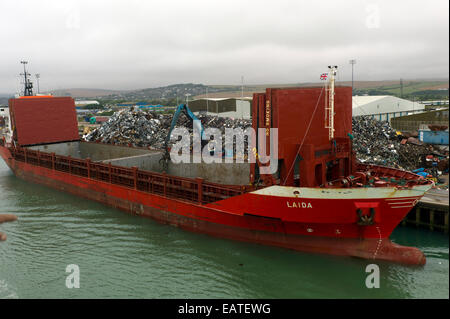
122,256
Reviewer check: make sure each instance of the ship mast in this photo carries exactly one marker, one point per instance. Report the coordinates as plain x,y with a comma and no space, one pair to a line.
28,86
329,102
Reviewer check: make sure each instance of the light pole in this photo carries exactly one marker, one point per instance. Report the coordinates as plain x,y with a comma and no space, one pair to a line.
38,76
352,62
187,99
242,87
207,102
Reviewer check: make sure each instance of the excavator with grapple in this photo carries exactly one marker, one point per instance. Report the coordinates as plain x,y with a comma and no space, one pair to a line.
196,124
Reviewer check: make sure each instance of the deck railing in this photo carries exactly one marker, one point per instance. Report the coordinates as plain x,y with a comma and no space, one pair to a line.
189,189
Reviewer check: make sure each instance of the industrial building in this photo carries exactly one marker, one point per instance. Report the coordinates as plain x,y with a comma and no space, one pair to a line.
223,107
385,107
85,103
382,107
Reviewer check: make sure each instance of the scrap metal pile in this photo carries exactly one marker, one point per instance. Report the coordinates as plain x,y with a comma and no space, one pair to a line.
376,142
149,129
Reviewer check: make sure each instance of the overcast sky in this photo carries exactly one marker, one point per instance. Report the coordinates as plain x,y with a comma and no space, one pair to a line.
137,44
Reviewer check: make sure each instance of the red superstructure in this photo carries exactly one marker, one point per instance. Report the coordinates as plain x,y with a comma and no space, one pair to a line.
298,114
43,119
319,200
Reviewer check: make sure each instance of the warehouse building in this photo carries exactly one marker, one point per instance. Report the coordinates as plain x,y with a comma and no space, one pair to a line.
223,107
385,107
85,103
382,107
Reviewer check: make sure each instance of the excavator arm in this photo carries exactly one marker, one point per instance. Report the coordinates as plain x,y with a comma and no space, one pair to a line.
182,108
194,120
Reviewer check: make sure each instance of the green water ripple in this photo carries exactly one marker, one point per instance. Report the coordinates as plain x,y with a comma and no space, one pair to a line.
122,256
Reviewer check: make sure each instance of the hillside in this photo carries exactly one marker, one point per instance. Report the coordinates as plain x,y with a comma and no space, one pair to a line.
169,95
84,92
411,89
4,98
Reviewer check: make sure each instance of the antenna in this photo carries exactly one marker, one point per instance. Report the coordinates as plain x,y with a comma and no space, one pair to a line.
352,62
207,104
329,107
38,76
28,86
187,99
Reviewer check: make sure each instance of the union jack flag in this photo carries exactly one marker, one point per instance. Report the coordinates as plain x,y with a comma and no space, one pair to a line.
324,76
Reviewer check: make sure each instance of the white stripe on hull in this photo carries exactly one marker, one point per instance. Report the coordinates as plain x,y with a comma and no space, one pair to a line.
397,203
388,193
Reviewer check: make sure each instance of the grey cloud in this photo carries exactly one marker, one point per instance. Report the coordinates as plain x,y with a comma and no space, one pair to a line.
136,44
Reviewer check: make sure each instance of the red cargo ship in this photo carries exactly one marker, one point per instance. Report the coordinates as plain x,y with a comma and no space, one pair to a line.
320,199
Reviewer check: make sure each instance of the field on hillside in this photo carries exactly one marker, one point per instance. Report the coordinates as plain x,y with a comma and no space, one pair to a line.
412,89
169,95
412,86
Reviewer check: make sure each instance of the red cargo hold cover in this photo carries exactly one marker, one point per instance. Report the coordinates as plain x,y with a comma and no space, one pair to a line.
42,120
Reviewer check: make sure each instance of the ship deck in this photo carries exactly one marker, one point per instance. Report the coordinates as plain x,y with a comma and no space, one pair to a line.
196,190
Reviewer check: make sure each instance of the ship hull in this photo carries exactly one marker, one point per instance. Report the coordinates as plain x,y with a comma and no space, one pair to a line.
233,218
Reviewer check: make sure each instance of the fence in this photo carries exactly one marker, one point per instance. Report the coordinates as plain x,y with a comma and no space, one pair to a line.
193,190
411,126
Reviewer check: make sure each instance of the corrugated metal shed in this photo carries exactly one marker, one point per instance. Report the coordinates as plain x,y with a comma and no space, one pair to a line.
43,120
385,106
224,107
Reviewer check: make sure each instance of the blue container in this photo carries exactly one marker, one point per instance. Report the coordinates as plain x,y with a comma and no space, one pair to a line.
433,137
